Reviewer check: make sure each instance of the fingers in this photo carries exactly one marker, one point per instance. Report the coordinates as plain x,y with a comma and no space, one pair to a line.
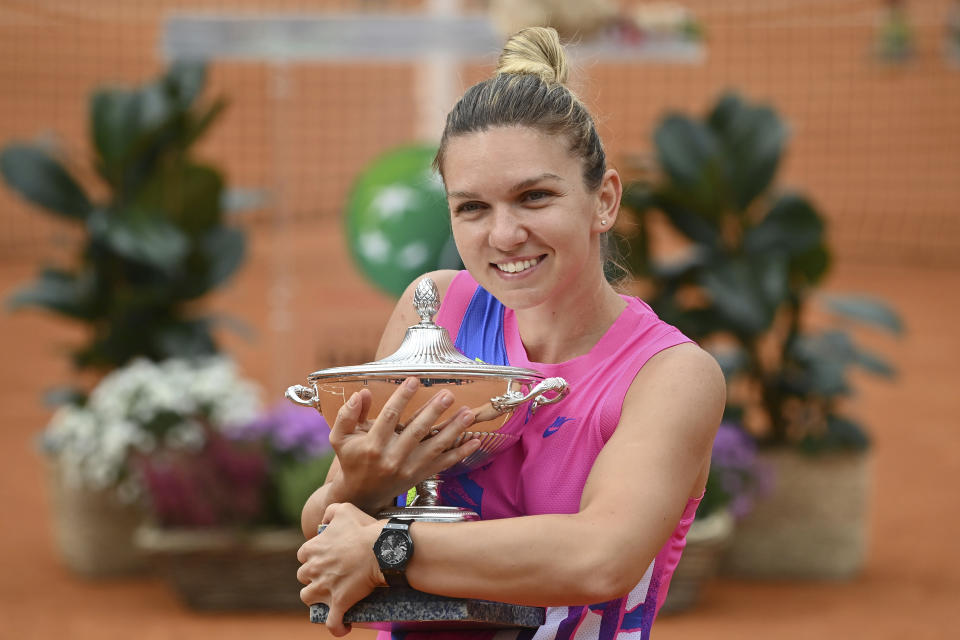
366,401
449,458
329,512
384,427
423,423
449,431
347,418
335,621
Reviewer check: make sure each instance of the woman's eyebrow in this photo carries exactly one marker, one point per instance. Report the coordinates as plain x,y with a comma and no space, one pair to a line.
520,186
469,195
529,182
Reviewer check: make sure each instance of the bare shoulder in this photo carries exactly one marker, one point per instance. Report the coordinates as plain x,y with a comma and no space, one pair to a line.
404,315
683,382
684,363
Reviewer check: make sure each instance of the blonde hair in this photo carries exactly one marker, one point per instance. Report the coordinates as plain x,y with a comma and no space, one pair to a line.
528,89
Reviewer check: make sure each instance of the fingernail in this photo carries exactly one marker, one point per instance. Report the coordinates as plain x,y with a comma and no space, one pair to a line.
466,418
352,402
411,383
446,399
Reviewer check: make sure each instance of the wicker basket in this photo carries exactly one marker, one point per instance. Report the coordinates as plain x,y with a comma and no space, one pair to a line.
707,540
226,569
93,530
813,525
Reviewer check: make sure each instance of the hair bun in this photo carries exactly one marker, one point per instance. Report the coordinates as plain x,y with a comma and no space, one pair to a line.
536,51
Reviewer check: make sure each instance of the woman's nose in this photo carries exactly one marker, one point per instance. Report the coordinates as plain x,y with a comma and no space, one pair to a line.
506,231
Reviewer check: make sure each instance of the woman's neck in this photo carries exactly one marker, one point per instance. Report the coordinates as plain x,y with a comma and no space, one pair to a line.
569,326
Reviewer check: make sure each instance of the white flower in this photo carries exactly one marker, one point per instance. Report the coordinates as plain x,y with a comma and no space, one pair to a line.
141,407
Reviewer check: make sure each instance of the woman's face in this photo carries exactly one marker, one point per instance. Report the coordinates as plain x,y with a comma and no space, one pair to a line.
522,218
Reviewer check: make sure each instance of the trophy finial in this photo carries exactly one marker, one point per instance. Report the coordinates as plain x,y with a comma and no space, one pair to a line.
426,300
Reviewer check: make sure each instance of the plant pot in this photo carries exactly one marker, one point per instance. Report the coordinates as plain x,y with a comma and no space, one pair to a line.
707,539
227,569
93,530
813,525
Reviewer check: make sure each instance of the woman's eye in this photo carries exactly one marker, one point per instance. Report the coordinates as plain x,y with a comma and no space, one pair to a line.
536,196
468,207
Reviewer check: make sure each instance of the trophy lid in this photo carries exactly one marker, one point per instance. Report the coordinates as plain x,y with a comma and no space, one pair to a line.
426,350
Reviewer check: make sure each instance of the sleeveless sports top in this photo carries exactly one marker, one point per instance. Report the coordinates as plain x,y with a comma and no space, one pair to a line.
546,471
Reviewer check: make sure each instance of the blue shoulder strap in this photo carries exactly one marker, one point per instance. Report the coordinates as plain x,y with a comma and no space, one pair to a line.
481,331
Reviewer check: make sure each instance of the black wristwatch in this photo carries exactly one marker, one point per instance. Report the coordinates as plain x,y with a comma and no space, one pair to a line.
393,550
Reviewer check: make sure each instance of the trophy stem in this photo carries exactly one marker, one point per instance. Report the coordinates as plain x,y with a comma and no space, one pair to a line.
428,508
428,493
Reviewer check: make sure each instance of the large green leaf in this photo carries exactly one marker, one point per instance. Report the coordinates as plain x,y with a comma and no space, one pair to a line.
225,248
219,253
157,107
792,225
691,156
42,180
190,194
184,81
810,266
742,294
874,363
867,310
141,235
115,126
198,125
825,357
690,222
60,291
753,139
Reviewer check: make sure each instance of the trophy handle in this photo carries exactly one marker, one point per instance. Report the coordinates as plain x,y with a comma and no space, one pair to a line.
303,396
513,399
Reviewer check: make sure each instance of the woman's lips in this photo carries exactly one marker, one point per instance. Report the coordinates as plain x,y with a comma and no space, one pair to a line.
518,266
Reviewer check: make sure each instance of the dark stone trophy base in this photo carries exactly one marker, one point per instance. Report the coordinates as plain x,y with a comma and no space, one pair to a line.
399,609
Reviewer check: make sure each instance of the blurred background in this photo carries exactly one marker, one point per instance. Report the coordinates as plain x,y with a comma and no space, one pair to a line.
281,143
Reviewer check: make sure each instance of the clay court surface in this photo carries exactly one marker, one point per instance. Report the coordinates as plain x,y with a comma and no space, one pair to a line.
910,588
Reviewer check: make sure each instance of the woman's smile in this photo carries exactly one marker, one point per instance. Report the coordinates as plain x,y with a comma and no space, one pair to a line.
518,267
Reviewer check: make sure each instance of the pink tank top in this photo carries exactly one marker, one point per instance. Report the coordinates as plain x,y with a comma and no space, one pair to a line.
547,470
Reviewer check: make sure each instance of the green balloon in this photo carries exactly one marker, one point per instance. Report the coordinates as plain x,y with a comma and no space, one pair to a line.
398,224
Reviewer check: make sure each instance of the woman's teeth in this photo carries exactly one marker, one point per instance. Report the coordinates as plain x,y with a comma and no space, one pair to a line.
515,267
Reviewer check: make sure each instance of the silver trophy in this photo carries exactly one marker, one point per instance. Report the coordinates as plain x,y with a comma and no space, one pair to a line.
492,392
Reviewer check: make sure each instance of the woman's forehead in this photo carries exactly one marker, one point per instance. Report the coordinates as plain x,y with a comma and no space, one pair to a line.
506,157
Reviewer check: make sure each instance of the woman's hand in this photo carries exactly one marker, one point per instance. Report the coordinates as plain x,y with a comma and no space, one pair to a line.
377,463
338,566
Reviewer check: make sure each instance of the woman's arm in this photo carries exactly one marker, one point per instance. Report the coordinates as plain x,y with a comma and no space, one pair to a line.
657,458
378,469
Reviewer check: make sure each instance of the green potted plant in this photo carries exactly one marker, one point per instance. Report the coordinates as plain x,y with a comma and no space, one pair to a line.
738,275
149,247
155,244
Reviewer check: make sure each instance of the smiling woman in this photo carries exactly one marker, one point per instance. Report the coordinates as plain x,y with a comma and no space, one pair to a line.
588,516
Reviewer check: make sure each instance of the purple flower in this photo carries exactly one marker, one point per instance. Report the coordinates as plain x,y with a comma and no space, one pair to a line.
289,429
737,477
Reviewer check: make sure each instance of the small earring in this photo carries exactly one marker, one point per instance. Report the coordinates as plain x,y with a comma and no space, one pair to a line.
603,222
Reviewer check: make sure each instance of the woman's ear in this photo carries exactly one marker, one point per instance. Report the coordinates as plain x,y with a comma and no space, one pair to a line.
608,201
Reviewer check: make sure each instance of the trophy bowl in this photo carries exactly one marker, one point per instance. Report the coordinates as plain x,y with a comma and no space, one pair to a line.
491,392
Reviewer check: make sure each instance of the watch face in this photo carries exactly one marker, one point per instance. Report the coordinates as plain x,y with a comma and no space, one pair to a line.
394,548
